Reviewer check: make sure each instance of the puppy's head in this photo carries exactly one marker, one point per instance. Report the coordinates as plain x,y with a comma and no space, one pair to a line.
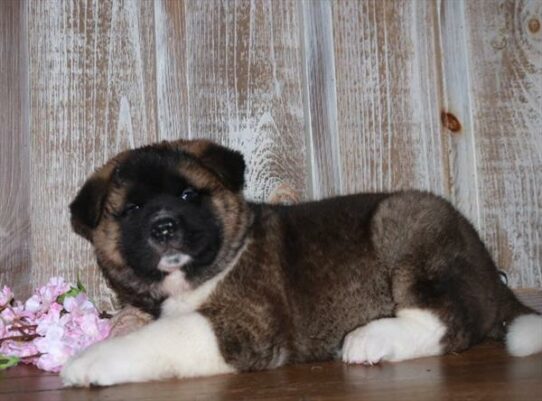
173,207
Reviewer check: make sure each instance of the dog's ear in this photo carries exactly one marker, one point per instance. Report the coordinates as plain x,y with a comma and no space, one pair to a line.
86,209
227,164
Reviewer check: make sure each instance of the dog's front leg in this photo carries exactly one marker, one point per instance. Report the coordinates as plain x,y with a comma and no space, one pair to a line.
182,346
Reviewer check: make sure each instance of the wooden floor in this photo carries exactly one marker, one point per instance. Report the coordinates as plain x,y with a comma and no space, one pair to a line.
485,372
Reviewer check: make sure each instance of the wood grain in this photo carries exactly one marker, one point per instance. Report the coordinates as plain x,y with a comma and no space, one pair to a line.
14,145
506,76
387,96
92,95
457,131
482,373
171,69
321,101
245,86
321,97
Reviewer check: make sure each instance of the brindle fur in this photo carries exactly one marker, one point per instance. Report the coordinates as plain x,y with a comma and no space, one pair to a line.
308,274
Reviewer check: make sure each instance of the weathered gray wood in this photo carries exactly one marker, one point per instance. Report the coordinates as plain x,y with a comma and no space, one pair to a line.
387,96
459,155
14,145
322,98
505,51
92,85
245,86
171,69
321,101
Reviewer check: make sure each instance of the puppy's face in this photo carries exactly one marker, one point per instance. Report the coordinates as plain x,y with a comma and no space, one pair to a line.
165,221
167,208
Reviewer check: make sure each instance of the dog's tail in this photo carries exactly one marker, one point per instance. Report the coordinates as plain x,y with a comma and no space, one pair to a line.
518,325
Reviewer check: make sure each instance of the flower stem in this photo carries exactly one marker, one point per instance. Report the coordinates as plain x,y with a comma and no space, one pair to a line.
24,337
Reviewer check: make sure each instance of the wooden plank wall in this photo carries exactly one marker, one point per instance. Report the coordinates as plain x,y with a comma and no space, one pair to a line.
14,149
323,97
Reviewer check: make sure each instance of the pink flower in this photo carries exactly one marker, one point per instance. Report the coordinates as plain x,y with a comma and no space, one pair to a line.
8,315
53,348
51,318
45,296
79,305
5,296
19,348
89,325
52,290
33,304
52,362
46,332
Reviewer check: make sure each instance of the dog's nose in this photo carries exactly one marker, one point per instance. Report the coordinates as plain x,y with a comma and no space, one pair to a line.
164,229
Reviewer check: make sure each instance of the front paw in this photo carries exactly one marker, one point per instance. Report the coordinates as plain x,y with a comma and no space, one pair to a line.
98,365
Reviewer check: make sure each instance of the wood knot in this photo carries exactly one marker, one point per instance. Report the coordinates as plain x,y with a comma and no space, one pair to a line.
534,25
450,121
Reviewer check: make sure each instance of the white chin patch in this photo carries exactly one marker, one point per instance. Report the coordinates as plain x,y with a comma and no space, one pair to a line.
171,263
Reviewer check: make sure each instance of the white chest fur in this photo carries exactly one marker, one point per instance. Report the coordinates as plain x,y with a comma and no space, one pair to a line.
182,298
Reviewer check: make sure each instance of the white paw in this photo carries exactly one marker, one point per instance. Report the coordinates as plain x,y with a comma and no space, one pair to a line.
366,345
413,333
102,364
181,346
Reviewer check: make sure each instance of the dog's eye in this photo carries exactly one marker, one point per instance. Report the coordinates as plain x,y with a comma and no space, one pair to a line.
129,208
189,194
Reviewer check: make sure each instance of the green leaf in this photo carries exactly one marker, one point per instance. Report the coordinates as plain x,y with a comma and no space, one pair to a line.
72,292
80,285
8,361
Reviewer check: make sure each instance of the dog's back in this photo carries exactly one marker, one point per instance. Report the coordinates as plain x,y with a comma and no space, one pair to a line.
315,272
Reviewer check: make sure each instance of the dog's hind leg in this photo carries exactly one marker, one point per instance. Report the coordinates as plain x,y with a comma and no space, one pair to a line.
434,314
412,333
444,284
